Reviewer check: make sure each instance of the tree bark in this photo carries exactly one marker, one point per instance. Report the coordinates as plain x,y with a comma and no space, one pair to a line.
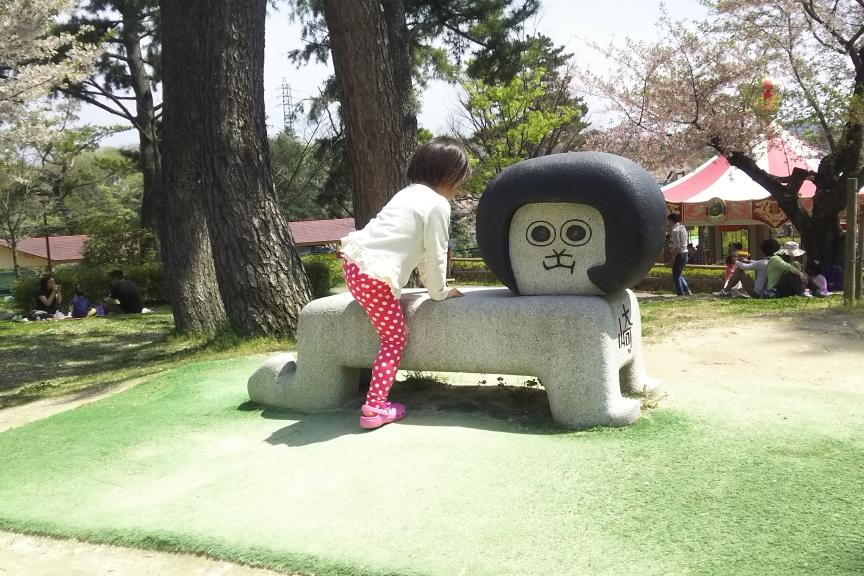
183,230
145,117
820,230
259,273
13,244
369,46
60,194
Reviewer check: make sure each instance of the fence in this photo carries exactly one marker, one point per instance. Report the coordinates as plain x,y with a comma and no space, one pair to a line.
7,279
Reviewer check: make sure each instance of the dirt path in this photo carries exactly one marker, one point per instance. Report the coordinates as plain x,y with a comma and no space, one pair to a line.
22,555
26,413
818,347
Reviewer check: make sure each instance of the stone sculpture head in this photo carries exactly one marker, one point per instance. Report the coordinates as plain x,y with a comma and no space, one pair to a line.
575,223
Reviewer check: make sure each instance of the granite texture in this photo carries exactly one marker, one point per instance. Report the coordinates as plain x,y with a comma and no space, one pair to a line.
568,234
627,198
586,350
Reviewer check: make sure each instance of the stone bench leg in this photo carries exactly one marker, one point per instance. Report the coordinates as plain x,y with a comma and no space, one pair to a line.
581,401
325,385
635,380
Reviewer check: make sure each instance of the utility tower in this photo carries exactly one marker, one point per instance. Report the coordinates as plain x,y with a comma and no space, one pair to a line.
289,115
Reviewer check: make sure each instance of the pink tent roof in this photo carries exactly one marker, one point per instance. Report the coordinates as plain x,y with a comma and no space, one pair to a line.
716,178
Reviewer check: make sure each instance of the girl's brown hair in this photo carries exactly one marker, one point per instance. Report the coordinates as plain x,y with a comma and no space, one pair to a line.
441,162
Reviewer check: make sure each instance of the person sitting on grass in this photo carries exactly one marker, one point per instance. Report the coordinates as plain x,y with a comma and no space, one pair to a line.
749,287
783,277
693,254
729,268
125,298
81,306
818,282
48,299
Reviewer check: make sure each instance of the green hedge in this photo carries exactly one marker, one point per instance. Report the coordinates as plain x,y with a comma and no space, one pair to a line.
149,279
473,264
707,272
324,272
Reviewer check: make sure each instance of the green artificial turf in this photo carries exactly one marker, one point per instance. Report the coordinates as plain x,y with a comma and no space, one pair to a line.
736,480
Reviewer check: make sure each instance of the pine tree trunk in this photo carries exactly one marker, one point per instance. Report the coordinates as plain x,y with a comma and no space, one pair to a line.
183,231
60,202
14,246
369,46
150,163
145,118
259,273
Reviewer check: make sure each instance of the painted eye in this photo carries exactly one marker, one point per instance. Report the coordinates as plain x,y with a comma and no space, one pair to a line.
576,232
540,233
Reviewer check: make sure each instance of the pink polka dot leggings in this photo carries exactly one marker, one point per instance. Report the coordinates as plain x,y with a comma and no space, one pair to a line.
384,312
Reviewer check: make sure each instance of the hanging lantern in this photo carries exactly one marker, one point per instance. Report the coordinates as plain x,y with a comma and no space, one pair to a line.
767,90
767,105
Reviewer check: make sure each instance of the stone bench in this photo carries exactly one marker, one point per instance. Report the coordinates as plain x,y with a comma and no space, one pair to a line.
586,350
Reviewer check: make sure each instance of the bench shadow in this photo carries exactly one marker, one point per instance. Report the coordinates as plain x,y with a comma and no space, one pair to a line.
511,409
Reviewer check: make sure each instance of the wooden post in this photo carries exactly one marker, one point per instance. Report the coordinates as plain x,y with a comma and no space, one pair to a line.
47,242
718,245
849,281
860,258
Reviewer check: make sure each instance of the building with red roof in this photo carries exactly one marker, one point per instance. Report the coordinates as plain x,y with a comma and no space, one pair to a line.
323,233
33,253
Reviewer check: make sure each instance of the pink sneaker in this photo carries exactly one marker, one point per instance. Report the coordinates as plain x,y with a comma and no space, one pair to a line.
381,415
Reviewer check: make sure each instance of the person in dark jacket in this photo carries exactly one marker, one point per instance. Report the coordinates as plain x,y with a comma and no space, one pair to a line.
48,299
125,298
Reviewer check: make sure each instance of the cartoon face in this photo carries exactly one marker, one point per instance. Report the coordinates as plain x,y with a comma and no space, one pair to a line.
553,245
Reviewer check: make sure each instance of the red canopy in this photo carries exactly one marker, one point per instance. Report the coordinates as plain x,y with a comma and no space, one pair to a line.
718,193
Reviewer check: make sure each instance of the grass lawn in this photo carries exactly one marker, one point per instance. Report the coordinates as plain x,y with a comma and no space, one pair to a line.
41,359
716,483
661,314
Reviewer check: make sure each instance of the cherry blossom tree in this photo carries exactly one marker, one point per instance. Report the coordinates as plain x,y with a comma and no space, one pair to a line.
29,67
38,152
701,90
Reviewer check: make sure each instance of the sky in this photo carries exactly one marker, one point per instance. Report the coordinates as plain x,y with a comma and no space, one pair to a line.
571,23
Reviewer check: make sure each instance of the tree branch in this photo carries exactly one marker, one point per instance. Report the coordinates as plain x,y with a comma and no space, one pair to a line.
86,97
847,44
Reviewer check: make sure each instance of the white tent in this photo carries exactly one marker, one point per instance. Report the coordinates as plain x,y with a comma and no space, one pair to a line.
718,193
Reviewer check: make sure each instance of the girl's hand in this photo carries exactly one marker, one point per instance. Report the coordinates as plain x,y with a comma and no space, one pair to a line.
454,293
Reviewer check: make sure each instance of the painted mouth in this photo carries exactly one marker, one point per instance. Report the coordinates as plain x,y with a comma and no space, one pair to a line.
558,264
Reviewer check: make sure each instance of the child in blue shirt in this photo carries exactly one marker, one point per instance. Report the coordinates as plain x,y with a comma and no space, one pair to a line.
82,307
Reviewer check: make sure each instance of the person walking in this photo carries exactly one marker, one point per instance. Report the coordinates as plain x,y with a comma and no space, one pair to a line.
678,253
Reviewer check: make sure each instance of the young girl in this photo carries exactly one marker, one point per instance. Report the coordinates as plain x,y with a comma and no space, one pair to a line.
411,231
81,306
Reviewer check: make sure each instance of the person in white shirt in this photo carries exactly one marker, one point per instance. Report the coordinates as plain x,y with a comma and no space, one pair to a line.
411,231
678,254
751,288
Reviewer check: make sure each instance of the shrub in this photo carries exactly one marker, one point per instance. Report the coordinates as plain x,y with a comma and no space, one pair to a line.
709,273
94,281
469,264
24,292
324,271
120,244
